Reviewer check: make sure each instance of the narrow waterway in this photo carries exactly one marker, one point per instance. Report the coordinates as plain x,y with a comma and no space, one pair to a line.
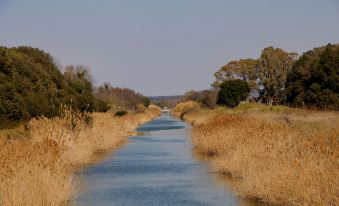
155,168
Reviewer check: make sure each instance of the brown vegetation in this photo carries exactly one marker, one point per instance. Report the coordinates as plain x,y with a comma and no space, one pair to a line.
121,98
185,108
38,170
154,109
279,155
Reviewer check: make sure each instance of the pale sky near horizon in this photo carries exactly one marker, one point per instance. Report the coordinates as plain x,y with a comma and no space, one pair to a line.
165,47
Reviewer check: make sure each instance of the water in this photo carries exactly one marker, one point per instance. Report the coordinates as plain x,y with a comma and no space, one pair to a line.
156,168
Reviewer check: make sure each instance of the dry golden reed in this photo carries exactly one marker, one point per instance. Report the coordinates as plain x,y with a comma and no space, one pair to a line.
276,158
38,170
184,108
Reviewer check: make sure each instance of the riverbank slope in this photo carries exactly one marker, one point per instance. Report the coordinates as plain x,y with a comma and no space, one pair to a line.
38,169
278,155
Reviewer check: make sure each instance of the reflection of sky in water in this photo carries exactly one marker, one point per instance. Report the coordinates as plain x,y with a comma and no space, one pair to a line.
162,123
154,169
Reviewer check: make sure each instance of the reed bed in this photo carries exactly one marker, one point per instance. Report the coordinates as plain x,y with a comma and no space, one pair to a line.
38,170
278,157
184,108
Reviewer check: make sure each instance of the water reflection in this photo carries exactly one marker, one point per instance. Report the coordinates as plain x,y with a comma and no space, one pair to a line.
156,168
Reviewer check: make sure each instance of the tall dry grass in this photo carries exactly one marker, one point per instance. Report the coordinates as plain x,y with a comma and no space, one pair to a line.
154,109
185,108
37,170
277,157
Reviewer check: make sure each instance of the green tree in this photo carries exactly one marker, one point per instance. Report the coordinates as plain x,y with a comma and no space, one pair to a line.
31,85
274,65
314,79
232,92
80,79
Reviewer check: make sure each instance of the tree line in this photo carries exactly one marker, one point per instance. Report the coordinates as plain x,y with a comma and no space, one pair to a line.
122,98
32,85
278,77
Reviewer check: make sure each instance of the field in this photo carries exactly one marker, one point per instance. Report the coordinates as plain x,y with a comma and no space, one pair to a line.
277,154
37,168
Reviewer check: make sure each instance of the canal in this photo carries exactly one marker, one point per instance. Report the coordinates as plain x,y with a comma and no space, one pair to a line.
157,167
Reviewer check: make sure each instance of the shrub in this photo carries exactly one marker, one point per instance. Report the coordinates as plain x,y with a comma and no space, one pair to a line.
120,113
154,109
184,108
232,92
102,106
208,98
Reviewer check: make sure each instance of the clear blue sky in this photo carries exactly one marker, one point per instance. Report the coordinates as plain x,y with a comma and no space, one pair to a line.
165,47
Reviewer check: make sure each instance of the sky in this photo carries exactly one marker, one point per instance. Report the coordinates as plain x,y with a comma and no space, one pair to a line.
165,47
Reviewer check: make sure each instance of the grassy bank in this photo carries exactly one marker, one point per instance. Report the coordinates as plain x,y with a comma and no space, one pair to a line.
38,169
278,155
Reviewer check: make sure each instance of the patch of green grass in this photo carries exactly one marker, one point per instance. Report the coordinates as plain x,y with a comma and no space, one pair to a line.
255,107
250,106
316,125
263,108
276,108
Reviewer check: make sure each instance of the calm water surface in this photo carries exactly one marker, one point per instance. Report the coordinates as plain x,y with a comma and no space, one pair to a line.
157,168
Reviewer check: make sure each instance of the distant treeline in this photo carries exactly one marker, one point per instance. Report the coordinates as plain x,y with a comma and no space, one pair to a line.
280,77
165,101
32,85
121,98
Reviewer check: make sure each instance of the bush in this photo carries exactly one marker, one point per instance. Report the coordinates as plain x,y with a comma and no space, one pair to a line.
208,98
184,108
120,113
102,106
154,109
232,92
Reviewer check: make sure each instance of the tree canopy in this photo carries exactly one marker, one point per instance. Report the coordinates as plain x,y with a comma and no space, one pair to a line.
232,92
31,85
244,69
274,65
80,80
314,79
267,74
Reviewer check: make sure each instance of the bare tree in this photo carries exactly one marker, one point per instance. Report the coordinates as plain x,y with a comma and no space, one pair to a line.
244,69
80,72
